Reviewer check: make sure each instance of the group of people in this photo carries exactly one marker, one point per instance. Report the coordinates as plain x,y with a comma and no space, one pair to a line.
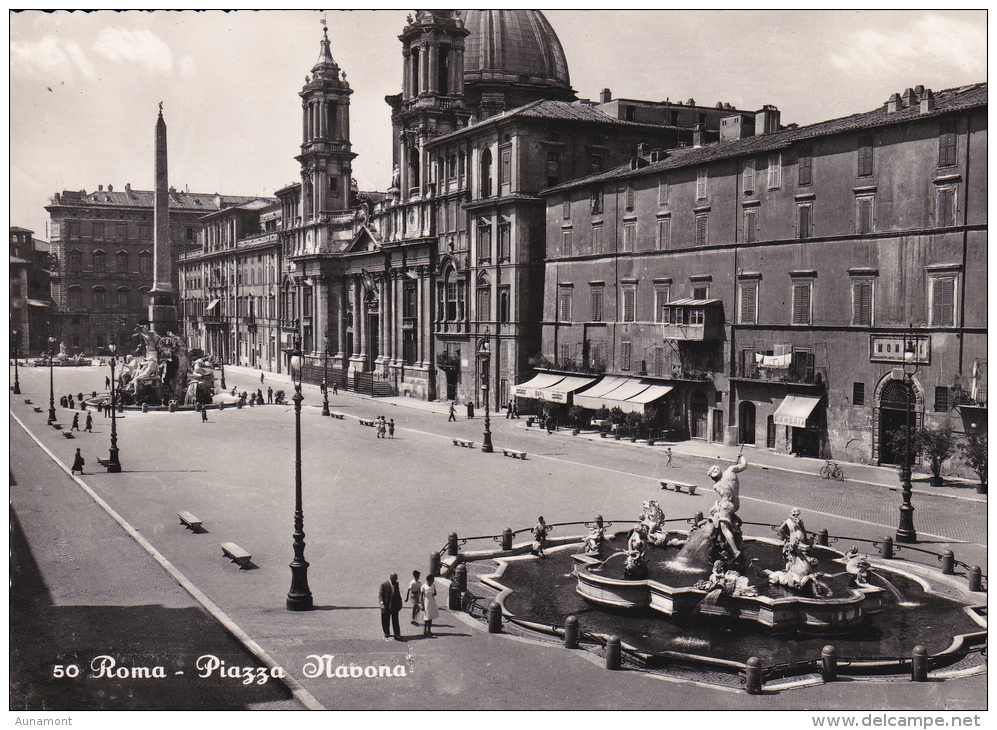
253,399
421,596
76,423
385,427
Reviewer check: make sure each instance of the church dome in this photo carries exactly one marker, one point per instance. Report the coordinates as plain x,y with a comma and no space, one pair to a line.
517,46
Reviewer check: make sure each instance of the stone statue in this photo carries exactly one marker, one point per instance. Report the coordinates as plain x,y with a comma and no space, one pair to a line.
793,527
396,177
798,574
857,566
594,540
723,514
540,537
652,519
727,583
635,565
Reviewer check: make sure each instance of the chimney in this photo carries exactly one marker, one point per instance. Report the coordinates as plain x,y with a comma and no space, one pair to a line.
642,149
697,136
100,188
767,120
893,103
927,101
736,126
110,188
605,96
908,97
128,188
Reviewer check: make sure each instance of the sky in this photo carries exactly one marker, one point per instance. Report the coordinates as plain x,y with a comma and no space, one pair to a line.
85,87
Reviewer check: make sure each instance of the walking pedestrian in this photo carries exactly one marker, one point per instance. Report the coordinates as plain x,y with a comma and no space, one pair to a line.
78,463
414,594
259,396
269,395
391,428
508,410
261,376
89,426
335,388
107,382
470,410
389,597
453,412
668,455
204,415
429,605
76,422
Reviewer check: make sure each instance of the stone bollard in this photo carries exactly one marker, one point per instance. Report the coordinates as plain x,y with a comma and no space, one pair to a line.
507,538
571,632
494,618
753,676
698,517
452,544
613,653
887,551
460,577
948,563
434,563
145,408
598,521
238,404
822,537
198,407
455,596
975,579
828,664
919,664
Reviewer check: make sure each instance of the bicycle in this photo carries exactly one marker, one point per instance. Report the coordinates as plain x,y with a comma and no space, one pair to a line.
830,470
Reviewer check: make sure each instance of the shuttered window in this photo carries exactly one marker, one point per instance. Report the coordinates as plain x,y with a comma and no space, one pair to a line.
749,176
865,157
597,238
565,304
801,301
702,229
596,200
864,214
701,177
805,166
748,313
805,220
662,293
566,207
775,171
625,355
662,190
942,400
862,303
629,234
629,303
750,218
664,226
597,298
858,394
566,242
947,143
946,206
631,196
943,302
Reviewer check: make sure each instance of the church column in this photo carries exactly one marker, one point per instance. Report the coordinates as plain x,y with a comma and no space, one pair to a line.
304,124
398,280
320,319
406,74
382,311
341,318
424,68
359,349
433,72
458,82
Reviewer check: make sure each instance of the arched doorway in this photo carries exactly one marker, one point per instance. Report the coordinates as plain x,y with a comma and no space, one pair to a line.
746,420
698,414
895,398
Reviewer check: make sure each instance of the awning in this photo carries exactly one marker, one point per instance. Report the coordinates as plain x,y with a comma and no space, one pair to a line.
214,303
530,388
651,394
795,410
593,397
559,393
38,303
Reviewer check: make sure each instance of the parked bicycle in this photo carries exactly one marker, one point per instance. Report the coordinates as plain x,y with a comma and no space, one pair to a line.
830,470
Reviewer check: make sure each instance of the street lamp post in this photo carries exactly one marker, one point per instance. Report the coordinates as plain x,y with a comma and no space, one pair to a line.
17,354
51,383
113,464
486,354
906,532
325,376
299,598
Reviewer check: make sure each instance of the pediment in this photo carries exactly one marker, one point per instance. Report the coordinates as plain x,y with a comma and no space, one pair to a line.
364,241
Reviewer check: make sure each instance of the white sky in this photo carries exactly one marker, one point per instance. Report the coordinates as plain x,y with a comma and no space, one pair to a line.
85,87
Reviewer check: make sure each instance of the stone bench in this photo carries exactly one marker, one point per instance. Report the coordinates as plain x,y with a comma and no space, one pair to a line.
37,409
679,487
464,443
514,454
340,416
189,521
366,422
27,401
236,554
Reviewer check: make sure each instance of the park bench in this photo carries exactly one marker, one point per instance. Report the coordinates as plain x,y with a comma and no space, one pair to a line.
679,487
340,416
366,422
514,454
37,409
464,443
236,554
189,521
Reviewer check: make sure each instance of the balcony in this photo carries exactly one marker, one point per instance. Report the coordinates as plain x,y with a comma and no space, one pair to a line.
796,374
693,320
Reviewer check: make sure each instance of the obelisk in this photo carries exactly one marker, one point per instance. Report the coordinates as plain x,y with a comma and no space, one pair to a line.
162,296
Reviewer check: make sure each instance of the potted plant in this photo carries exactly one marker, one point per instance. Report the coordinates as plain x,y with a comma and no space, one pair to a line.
633,425
974,451
617,417
936,445
576,414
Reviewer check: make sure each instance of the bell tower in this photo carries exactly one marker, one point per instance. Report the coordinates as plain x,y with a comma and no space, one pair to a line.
326,155
432,100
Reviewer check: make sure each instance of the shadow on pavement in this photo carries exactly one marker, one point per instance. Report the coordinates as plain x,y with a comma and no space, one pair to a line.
44,636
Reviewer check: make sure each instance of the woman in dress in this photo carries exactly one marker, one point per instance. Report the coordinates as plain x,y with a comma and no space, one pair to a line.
429,605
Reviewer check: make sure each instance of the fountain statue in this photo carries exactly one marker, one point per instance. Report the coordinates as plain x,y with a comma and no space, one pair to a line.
159,371
63,355
793,526
798,573
857,566
636,552
595,539
727,583
718,537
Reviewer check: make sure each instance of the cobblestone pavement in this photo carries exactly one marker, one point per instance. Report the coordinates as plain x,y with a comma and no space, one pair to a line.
376,506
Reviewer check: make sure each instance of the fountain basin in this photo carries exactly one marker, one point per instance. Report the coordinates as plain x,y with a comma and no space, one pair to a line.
839,613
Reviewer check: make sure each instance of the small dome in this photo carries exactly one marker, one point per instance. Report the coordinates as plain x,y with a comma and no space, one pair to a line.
513,46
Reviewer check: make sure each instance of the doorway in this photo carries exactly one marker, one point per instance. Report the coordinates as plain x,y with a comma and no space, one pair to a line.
453,376
746,420
698,414
897,396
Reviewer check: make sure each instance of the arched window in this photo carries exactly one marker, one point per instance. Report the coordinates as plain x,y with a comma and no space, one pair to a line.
486,173
122,298
453,296
99,260
484,299
74,298
99,297
144,262
75,260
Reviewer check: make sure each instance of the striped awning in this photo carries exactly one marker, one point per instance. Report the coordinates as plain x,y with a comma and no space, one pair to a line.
531,388
559,393
628,394
795,410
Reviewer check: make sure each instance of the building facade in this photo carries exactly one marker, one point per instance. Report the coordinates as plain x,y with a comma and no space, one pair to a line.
102,259
30,292
767,283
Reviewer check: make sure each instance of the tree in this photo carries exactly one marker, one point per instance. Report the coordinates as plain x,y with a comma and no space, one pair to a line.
936,445
974,451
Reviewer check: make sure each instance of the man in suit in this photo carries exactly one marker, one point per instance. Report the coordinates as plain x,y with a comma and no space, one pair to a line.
390,600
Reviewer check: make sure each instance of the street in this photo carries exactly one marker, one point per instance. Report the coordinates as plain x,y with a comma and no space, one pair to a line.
376,506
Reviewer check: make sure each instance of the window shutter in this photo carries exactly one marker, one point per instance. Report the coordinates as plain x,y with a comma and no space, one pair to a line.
662,190
942,302
749,302
701,230
946,207
628,236
625,355
629,301
749,226
947,144
862,298
566,243
865,156
597,304
806,166
566,207
805,221
565,305
749,176
865,215
801,303
663,226
775,170
701,184
631,196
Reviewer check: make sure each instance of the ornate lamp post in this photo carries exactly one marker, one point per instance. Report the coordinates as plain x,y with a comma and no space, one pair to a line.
325,376
299,598
486,354
113,465
906,532
17,353
51,383
223,374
